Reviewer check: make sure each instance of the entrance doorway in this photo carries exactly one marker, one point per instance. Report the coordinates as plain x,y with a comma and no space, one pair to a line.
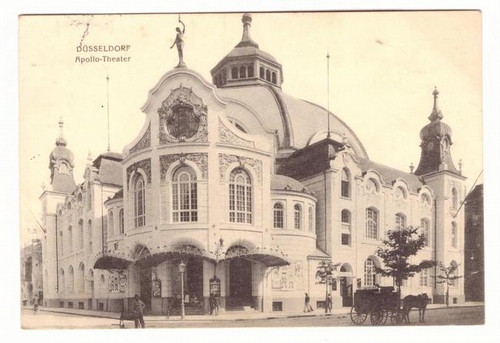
146,285
240,283
346,285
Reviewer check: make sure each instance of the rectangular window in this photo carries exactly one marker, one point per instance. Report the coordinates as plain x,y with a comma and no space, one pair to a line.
424,278
371,224
346,239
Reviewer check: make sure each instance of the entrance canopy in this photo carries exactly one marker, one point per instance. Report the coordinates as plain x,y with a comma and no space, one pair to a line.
111,260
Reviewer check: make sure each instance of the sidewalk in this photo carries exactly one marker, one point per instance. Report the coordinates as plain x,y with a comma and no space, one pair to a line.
230,315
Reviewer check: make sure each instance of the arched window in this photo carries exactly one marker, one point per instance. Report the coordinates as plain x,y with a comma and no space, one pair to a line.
70,239
454,198
80,234
297,217
278,216
268,75
400,221
80,200
61,243
184,195
71,279
111,220
400,193
234,73
81,277
62,281
140,202
89,233
345,217
243,72
240,196
370,275
122,221
345,186
371,186
250,71
311,219
273,78
424,230
454,234
371,223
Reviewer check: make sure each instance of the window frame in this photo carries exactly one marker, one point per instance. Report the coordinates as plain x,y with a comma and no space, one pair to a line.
184,195
297,217
140,201
278,215
345,183
240,197
371,231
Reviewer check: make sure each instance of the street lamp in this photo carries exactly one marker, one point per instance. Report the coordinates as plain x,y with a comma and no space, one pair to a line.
182,269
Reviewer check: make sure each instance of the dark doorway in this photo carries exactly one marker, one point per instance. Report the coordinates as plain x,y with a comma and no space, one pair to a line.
146,287
240,282
194,279
346,292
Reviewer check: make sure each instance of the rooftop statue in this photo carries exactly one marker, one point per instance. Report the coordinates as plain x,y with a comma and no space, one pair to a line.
179,41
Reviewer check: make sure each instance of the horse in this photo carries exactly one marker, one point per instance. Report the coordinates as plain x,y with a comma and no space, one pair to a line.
418,301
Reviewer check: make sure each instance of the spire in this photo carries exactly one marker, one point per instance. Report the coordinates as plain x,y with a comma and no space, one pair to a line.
60,140
246,40
436,112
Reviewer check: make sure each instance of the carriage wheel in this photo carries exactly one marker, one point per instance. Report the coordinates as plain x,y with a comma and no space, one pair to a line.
396,317
378,317
356,317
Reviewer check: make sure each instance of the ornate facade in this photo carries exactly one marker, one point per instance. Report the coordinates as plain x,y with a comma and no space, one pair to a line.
233,181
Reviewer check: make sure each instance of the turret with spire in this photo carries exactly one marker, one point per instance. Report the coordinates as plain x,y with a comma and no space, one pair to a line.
61,165
246,64
435,143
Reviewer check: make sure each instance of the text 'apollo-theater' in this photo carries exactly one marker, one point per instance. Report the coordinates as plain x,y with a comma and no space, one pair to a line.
107,55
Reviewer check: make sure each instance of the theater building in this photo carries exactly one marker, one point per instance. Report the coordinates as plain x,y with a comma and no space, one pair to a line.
235,188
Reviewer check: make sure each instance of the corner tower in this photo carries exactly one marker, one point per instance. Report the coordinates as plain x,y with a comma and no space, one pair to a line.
246,64
436,170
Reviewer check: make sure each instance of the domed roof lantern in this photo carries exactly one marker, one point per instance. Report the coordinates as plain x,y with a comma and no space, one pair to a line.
60,140
436,128
246,40
61,164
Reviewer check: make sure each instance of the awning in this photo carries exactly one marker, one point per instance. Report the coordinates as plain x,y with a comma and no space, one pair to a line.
111,262
267,259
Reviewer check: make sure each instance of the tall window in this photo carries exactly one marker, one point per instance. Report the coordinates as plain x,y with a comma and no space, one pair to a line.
371,223
81,277
424,230
424,278
454,233
243,72
311,219
345,183
345,217
400,221
80,234
185,195
70,239
111,230
62,283
89,230
370,272
454,198
122,222
61,243
71,279
278,216
140,202
234,73
240,196
297,217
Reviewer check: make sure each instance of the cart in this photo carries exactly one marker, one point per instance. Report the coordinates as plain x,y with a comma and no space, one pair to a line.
381,304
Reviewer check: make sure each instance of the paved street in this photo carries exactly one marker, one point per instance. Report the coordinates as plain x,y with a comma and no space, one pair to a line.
471,315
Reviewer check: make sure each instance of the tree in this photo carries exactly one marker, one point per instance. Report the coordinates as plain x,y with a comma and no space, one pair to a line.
448,277
399,245
326,271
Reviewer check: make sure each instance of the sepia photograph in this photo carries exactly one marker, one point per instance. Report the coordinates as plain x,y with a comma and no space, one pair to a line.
252,169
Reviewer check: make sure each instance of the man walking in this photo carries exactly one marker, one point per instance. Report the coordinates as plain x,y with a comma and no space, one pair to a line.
138,311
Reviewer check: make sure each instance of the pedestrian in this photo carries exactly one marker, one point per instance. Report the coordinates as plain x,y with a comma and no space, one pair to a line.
212,303
35,305
307,304
328,303
138,311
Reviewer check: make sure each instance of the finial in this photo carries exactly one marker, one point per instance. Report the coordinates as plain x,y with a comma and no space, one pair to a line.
89,158
436,112
411,167
246,40
60,140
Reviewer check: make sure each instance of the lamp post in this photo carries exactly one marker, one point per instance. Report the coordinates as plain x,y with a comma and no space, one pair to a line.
182,269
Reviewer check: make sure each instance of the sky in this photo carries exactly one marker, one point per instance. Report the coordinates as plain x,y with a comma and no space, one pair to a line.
382,74
379,79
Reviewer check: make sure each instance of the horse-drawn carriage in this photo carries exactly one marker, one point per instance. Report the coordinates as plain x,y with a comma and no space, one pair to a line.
381,304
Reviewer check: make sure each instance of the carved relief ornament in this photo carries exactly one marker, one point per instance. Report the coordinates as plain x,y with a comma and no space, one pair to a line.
144,142
200,159
183,117
145,165
225,160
